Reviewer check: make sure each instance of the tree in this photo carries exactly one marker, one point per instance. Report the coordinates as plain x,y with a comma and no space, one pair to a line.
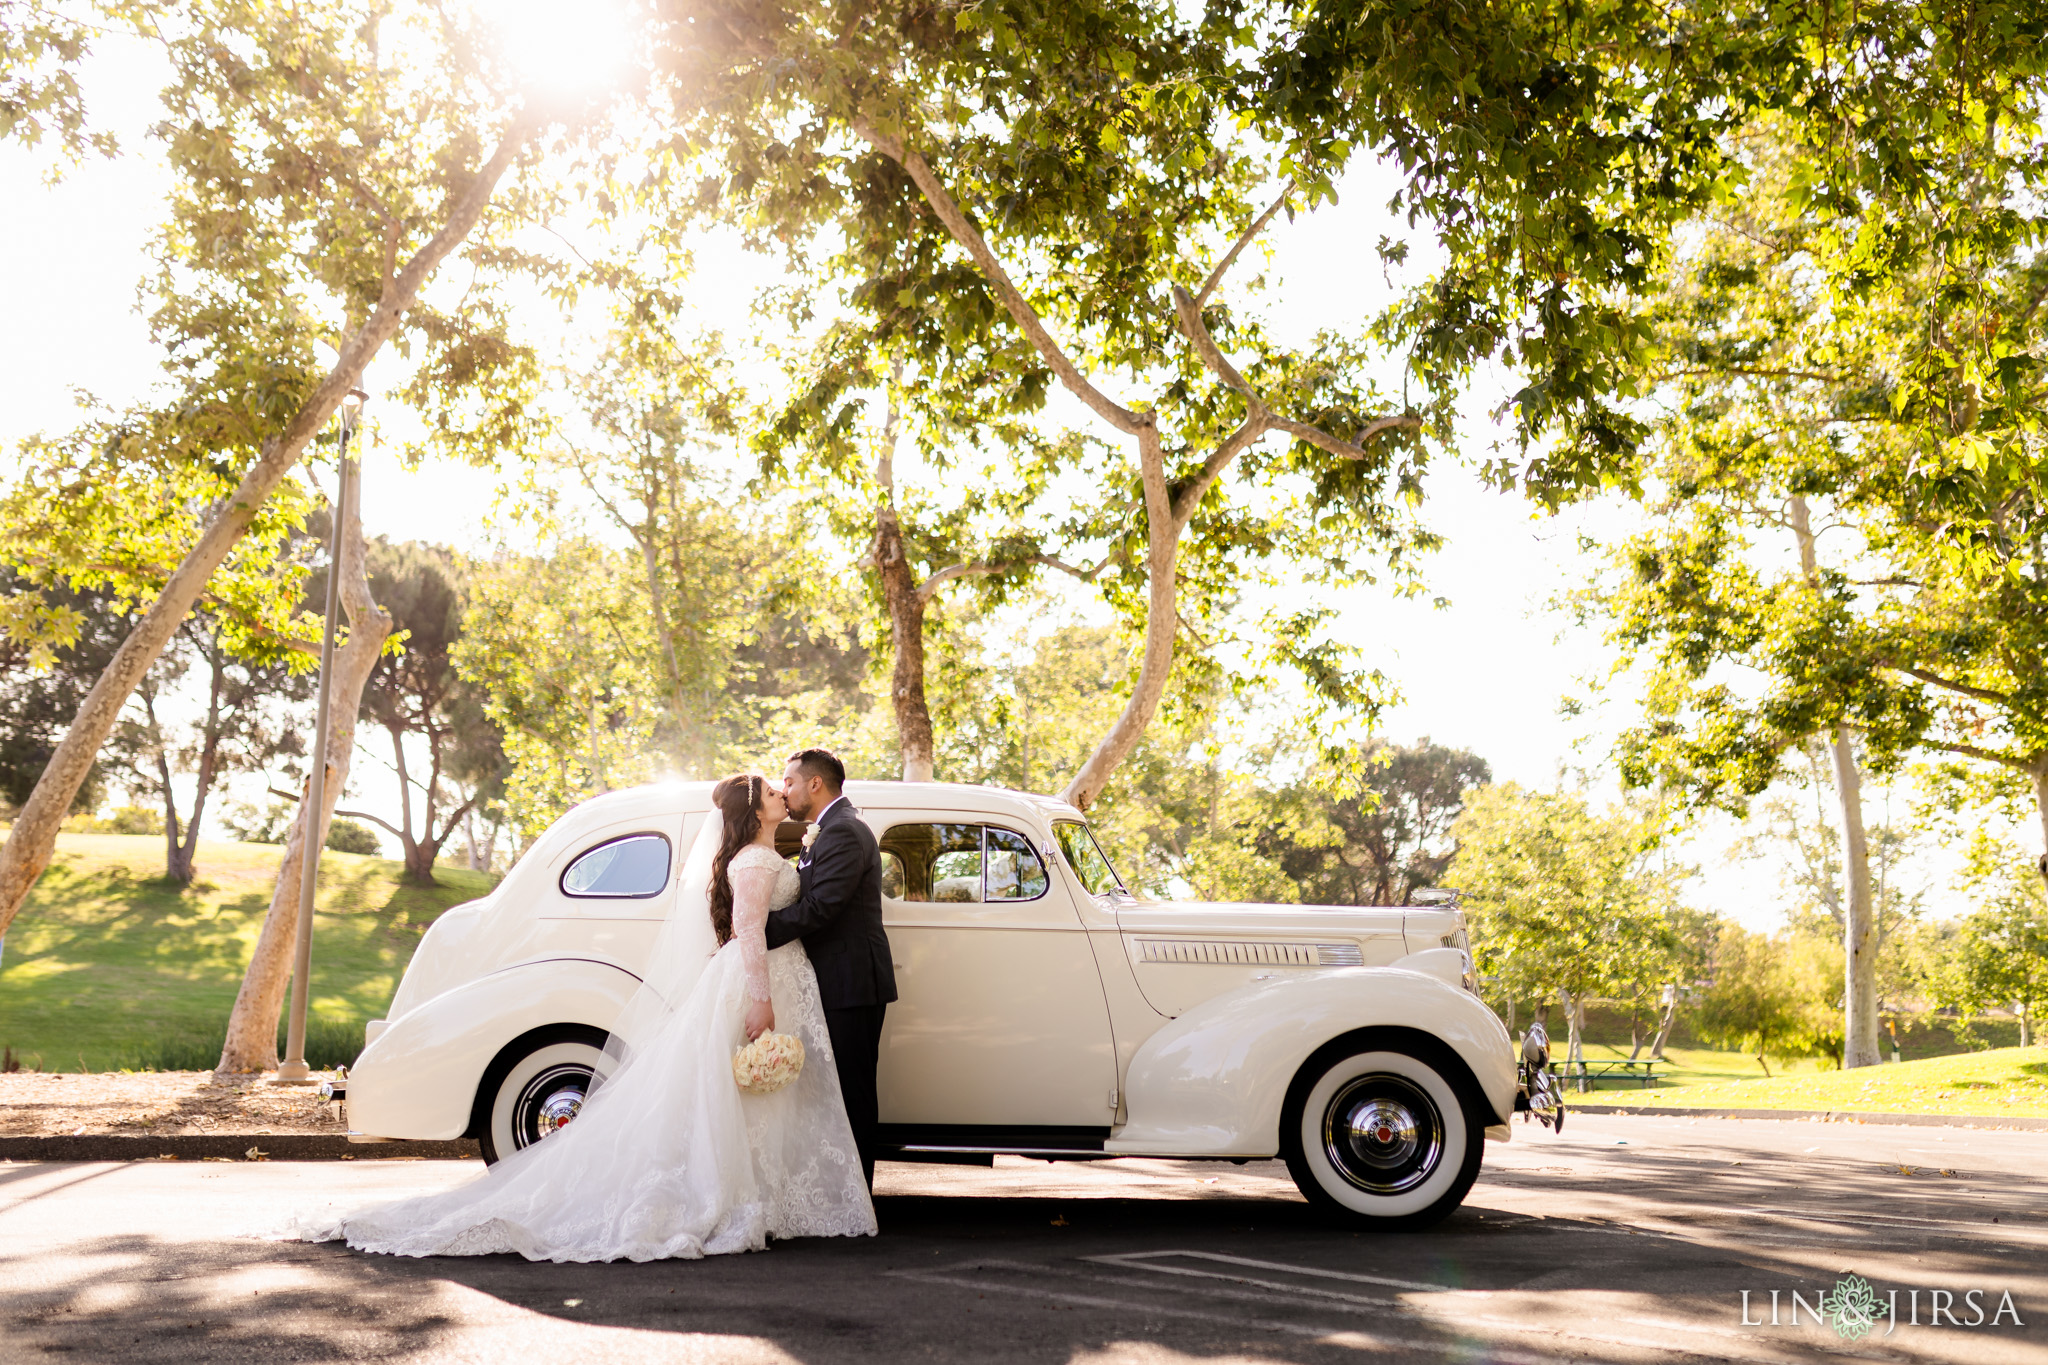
317,188
559,647
1372,823
706,576
42,685
251,1042
415,692
40,51
1564,904
1767,996
244,725
935,149
1998,956
1816,389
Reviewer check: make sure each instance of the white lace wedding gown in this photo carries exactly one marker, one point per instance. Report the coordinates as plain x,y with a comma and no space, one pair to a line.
668,1158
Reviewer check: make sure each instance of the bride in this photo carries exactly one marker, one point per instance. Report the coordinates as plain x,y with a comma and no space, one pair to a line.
667,1157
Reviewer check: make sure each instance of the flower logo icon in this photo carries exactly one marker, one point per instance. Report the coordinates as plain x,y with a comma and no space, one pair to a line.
1852,1308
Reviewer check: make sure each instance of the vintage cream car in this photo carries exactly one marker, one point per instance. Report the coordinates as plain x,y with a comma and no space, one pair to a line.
1044,1011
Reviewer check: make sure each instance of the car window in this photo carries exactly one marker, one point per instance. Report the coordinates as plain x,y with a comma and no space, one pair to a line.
959,862
932,862
634,866
1013,872
1084,855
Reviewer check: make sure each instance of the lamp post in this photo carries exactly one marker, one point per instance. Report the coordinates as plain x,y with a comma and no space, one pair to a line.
293,1069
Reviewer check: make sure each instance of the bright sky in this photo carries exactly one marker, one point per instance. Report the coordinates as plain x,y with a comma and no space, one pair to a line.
1485,673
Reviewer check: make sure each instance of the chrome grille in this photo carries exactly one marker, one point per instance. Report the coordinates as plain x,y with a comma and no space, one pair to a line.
1209,952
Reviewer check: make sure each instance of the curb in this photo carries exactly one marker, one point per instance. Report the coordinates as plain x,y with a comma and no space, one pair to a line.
227,1147
1991,1121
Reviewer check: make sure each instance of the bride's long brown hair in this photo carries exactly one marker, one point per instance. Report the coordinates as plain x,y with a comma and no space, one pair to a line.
738,799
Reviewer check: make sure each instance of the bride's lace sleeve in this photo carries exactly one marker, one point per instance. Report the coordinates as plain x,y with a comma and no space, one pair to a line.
753,887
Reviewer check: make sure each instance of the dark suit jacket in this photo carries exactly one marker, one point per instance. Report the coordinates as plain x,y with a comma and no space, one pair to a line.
838,914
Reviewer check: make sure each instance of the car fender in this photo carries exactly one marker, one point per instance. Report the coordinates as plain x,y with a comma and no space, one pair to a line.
418,1078
1212,1082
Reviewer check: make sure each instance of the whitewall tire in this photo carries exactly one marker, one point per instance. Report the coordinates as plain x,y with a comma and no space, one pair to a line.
535,1088
1381,1136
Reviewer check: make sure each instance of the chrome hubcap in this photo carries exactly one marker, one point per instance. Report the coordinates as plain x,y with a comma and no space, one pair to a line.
549,1103
1383,1134
559,1109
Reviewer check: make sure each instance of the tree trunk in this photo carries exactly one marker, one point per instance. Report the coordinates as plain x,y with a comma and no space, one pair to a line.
187,853
1664,1025
1162,629
252,1027
1859,914
906,606
2040,776
34,836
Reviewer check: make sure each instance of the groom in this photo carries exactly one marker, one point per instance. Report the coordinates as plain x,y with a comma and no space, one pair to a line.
838,915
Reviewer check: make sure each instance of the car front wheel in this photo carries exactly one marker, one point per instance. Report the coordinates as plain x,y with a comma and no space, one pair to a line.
535,1088
1380,1136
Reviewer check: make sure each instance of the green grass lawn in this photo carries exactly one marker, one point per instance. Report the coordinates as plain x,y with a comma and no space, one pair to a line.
2009,1081
110,966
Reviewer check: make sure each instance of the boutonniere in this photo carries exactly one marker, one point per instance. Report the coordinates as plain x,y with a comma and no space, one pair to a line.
810,837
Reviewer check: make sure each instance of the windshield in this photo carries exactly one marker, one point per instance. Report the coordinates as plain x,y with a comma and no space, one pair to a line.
1085,857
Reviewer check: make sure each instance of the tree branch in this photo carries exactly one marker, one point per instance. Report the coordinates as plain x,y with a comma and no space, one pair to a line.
968,236
1347,450
1986,755
375,820
1197,332
1230,257
973,569
1190,497
1075,570
1980,693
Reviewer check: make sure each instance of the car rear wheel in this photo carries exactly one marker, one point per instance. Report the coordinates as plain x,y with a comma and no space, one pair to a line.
1381,1136
535,1088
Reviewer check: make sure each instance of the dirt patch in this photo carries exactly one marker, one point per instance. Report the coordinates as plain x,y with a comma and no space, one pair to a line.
157,1104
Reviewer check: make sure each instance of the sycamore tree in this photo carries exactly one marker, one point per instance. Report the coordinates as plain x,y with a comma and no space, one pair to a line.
1063,198
325,162
364,632
1845,541
1565,904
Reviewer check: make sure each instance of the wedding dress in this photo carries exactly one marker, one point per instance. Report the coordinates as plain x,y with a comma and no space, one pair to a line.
667,1157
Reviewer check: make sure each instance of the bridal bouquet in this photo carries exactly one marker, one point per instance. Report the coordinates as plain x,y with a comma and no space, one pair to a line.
770,1062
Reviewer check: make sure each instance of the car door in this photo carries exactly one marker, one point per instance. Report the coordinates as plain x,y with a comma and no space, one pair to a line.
1000,1019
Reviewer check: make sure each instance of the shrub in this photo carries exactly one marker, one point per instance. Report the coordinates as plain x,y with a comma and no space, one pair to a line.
352,836
128,820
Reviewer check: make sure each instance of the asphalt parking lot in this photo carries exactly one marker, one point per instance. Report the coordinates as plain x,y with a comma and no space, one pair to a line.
1626,1239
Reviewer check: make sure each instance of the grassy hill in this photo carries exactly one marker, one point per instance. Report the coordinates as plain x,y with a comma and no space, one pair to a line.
2007,1081
110,966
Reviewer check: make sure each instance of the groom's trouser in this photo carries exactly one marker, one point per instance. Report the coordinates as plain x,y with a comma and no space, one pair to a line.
856,1034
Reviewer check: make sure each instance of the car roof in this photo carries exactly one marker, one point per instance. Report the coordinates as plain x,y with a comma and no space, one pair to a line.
963,797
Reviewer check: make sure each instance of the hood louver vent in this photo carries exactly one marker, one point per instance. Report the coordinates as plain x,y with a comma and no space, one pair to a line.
1209,952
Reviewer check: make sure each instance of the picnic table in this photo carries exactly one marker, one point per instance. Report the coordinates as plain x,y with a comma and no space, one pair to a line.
1584,1073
